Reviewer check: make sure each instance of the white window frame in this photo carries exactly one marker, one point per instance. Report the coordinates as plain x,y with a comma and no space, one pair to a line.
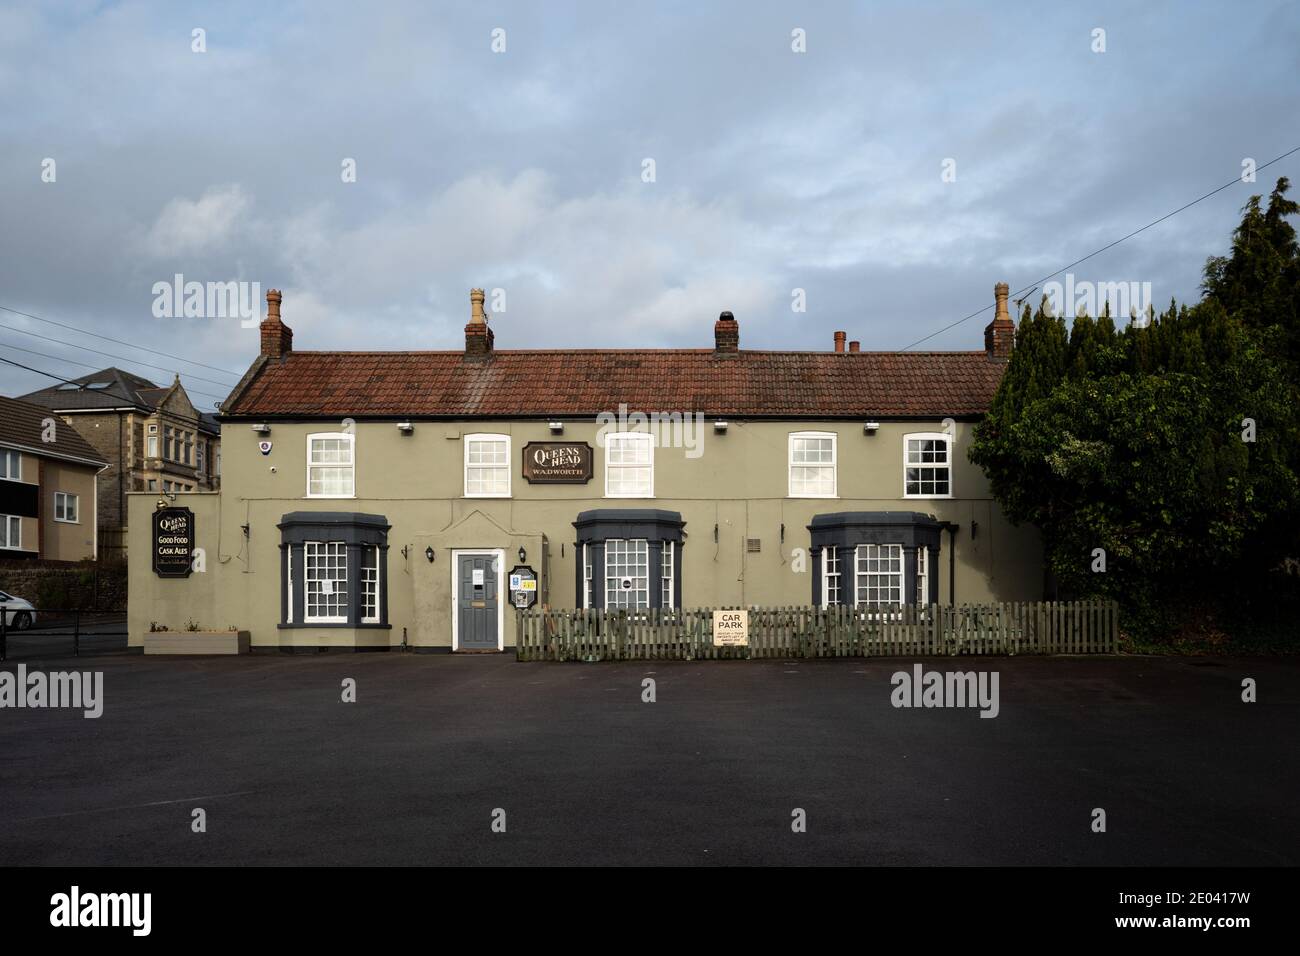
923,575
586,575
370,587
351,439
858,573
151,446
307,579
640,437
289,583
831,556
667,576
630,547
18,457
934,436
834,464
495,438
12,544
76,507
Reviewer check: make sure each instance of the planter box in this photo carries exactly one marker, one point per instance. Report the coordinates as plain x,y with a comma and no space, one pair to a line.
196,642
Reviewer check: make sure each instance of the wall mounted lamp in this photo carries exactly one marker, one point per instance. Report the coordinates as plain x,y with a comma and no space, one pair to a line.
428,553
720,426
556,427
262,429
523,556
405,428
870,428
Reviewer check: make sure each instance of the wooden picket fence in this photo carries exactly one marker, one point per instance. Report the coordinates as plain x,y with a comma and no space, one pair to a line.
1048,627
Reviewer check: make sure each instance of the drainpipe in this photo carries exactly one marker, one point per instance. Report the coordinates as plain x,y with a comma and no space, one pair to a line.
952,529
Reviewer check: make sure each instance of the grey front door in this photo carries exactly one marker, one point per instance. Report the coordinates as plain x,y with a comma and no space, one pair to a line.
476,602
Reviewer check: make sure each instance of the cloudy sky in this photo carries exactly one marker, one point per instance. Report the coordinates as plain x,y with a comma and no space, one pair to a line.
523,170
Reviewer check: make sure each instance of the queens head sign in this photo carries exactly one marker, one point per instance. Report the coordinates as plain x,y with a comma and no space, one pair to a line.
173,542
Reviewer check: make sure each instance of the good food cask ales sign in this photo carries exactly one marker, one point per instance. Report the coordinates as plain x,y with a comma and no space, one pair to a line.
173,542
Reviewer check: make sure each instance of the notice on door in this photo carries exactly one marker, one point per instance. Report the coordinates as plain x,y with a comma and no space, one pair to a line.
730,628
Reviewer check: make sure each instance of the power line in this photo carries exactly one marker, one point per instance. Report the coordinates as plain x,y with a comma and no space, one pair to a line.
120,358
60,358
67,381
107,338
60,378
1110,245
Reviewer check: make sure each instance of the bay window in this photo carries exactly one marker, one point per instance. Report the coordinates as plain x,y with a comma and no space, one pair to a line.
333,568
629,558
871,558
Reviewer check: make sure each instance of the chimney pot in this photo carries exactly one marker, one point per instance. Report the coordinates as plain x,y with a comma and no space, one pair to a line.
855,346
726,334
478,337
1000,334
839,341
277,338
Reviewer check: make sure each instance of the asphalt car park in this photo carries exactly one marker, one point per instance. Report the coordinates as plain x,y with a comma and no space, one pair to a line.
481,759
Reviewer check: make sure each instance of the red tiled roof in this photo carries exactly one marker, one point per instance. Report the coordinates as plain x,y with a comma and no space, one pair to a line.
516,384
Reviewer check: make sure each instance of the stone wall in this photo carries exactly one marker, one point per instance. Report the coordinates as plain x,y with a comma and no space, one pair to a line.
53,586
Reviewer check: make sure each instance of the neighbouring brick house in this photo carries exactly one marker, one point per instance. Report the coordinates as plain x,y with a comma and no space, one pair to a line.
47,486
152,437
416,498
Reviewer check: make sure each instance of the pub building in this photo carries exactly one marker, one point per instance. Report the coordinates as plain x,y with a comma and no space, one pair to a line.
376,500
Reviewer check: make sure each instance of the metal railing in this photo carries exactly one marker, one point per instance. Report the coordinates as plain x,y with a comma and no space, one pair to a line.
32,628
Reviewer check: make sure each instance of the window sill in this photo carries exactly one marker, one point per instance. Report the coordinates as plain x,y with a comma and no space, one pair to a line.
302,625
926,498
65,521
812,497
329,497
468,495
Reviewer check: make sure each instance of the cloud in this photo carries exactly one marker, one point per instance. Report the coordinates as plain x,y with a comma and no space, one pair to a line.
521,170
186,226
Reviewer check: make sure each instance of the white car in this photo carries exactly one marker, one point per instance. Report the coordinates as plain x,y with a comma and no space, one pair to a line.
19,614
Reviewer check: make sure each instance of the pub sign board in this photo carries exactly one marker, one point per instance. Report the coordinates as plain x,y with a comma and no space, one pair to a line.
173,542
557,463
523,586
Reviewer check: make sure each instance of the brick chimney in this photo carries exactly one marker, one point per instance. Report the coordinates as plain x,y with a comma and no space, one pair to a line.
1000,334
478,337
277,338
839,341
855,346
726,334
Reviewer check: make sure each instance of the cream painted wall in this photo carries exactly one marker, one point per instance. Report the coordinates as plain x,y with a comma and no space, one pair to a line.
66,541
738,481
